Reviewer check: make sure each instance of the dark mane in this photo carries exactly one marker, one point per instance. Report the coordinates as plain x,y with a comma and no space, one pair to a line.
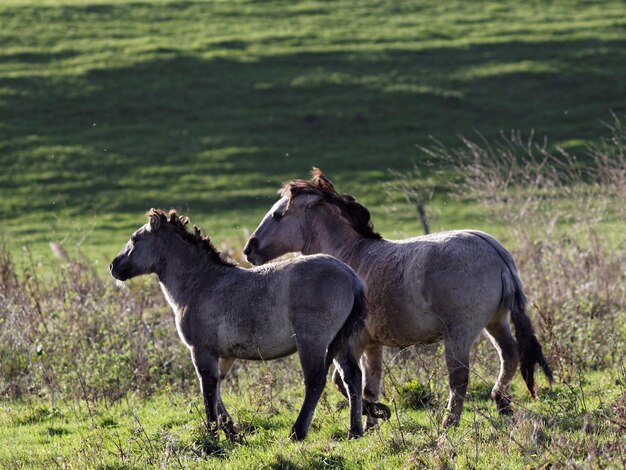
356,214
179,223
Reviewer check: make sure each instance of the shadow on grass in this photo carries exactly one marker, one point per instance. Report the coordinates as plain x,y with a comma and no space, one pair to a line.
56,431
314,461
214,134
36,414
208,445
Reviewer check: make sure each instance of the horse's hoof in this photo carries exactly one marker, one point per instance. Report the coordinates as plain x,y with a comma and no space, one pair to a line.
376,410
297,436
355,434
383,411
371,423
232,433
503,403
450,421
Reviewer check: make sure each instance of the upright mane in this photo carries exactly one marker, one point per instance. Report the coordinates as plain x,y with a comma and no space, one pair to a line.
179,223
356,214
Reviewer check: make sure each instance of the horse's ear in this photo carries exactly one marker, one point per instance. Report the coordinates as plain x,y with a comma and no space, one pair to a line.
320,179
293,191
155,219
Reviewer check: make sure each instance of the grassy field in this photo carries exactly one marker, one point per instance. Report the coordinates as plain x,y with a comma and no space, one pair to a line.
165,431
93,376
108,108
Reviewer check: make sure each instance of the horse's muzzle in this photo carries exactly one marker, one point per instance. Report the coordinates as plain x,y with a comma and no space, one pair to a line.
251,251
116,272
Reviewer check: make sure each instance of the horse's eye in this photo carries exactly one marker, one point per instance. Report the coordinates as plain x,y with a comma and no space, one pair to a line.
277,216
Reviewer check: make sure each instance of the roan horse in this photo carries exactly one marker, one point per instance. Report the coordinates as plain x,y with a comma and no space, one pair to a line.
449,286
314,304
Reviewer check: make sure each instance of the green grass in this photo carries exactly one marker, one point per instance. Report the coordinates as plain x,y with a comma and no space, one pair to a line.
110,108
166,430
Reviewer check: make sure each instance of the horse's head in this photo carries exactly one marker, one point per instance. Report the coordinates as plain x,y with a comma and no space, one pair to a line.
140,254
308,211
285,226
281,230
289,224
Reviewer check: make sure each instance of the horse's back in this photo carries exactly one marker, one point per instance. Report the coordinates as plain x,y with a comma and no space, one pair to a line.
420,289
321,291
461,273
260,313
308,281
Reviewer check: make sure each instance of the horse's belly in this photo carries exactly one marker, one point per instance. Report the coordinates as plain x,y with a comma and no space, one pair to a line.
399,327
260,346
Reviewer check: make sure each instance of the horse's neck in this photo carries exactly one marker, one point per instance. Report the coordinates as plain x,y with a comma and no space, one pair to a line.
348,246
365,253
181,280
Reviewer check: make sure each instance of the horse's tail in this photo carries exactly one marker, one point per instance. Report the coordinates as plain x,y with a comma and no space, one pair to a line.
353,324
530,352
514,300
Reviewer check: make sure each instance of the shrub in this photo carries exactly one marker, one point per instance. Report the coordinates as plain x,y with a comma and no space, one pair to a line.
415,394
68,332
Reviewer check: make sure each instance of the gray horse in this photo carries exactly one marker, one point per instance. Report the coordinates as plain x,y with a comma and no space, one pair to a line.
447,286
314,304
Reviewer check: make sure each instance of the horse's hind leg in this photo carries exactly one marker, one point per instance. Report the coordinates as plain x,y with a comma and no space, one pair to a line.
499,332
372,367
457,352
338,381
314,369
348,368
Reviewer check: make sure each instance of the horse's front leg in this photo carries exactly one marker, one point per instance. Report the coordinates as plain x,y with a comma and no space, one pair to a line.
372,366
206,365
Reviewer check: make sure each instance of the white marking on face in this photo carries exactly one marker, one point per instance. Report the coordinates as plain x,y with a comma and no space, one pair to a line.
279,206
